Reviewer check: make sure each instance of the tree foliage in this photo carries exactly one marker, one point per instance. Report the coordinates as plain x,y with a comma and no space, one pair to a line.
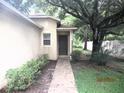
100,12
21,5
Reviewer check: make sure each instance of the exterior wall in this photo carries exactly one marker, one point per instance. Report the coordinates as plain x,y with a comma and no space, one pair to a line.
71,40
49,27
19,41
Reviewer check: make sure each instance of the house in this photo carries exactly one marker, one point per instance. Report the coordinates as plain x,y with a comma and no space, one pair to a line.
24,38
55,40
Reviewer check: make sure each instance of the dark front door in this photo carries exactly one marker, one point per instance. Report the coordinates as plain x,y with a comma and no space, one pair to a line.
63,45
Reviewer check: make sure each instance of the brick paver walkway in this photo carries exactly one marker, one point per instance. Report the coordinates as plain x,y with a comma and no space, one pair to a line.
63,78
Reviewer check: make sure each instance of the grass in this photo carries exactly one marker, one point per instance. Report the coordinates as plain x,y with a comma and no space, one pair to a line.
90,80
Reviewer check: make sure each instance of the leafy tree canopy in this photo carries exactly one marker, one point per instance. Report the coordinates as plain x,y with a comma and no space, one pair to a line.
21,5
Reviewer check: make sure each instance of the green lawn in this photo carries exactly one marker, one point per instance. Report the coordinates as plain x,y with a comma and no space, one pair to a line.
90,80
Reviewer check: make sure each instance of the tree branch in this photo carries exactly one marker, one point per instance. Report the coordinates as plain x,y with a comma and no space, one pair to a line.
83,8
113,25
112,20
70,10
113,33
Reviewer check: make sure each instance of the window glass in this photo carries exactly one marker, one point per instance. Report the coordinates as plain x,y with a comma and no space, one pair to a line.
46,38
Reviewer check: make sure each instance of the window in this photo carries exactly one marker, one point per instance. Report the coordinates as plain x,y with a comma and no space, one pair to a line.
46,38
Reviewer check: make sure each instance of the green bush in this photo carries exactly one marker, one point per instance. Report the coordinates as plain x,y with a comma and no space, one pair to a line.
21,78
101,57
76,54
77,43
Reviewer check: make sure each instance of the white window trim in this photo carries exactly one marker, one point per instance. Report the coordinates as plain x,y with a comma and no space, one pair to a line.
43,40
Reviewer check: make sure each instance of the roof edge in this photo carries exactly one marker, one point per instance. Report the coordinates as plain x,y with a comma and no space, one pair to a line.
40,16
13,10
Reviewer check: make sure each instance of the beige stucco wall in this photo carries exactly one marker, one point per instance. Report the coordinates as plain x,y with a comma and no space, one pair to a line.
49,26
71,41
19,41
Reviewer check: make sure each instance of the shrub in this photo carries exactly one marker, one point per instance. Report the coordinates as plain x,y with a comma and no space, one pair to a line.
21,78
76,54
101,57
77,43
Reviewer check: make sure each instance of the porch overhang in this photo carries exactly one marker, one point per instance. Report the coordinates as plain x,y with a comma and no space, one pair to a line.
67,29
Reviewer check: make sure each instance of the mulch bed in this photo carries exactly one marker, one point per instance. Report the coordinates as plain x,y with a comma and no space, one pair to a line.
42,84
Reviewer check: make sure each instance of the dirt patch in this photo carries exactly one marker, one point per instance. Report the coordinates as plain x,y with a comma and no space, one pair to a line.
112,65
42,84
85,64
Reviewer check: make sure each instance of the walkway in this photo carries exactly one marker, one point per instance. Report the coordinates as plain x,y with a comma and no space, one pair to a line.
63,78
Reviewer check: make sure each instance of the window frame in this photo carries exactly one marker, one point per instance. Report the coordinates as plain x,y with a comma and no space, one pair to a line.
47,39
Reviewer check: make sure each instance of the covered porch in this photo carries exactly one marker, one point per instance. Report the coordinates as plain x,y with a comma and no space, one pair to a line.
65,40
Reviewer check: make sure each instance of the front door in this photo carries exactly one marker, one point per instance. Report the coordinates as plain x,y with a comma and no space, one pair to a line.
63,44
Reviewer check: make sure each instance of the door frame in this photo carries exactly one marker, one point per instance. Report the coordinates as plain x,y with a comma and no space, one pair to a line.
67,44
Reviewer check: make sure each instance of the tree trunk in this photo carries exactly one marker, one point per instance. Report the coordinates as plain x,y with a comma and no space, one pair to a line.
85,45
85,41
98,37
96,46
